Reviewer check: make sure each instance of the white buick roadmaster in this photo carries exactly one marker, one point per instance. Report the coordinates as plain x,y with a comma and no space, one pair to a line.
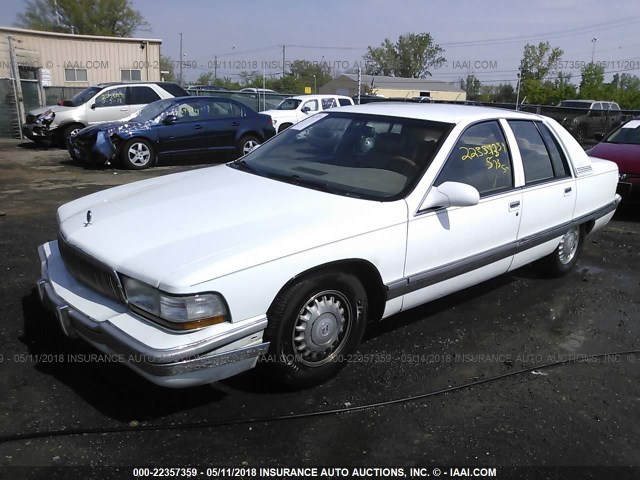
346,218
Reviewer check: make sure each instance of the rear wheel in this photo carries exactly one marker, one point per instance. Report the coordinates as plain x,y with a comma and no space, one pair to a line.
313,326
247,143
565,256
137,154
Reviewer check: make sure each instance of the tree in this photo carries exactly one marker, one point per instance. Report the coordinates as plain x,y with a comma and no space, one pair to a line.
86,17
412,56
592,83
305,71
538,61
472,86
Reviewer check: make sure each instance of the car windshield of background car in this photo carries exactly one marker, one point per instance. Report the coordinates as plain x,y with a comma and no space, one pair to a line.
628,133
367,156
289,104
84,96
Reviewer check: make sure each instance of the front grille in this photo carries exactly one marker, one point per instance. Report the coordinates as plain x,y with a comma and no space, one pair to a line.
90,271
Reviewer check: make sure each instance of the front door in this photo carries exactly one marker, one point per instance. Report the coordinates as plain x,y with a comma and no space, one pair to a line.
109,105
188,135
452,248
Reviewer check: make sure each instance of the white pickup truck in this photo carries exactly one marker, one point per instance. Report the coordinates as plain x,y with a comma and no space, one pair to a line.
294,109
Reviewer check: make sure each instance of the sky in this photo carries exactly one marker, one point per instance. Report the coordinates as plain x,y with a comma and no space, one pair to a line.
485,37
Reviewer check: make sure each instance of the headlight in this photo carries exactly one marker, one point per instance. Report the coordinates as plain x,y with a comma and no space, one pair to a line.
178,312
46,118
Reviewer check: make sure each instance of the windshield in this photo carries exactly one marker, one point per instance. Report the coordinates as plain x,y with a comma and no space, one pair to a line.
289,104
628,133
151,111
575,104
366,156
83,97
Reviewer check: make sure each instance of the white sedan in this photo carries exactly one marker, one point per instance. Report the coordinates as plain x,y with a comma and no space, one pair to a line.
349,217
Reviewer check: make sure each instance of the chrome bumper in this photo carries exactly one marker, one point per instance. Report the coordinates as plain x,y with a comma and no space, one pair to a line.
193,364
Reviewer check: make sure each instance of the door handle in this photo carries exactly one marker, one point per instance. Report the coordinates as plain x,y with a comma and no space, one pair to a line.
235,124
124,109
567,190
198,127
514,204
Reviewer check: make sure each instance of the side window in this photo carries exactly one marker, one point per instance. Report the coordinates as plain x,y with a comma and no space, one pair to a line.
558,160
112,98
312,105
221,108
597,107
190,110
142,95
328,103
535,157
480,158
344,102
615,107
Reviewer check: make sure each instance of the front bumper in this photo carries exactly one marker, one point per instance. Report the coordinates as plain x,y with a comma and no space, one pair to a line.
36,131
185,360
95,150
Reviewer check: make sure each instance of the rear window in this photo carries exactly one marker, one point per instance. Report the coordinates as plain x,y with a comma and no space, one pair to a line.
174,89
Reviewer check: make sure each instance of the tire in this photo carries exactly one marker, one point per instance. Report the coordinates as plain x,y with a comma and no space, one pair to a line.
137,154
246,144
565,256
284,126
313,326
67,133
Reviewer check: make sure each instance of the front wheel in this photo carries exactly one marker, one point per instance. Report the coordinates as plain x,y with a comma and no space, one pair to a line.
565,256
313,326
137,154
247,143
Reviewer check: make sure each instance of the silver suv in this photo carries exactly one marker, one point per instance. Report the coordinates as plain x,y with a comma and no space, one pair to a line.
105,102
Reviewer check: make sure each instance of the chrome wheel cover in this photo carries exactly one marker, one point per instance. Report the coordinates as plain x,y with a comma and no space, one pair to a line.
248,146
322,328
139,154
569,245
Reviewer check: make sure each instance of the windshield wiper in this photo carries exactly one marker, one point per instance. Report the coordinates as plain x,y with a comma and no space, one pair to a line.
241,164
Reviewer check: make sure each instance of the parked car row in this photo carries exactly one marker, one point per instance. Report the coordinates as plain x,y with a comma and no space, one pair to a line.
346,218
184,127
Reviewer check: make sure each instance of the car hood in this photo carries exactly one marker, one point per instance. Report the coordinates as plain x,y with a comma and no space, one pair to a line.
54,108
280,113
627,156
180,230
111,127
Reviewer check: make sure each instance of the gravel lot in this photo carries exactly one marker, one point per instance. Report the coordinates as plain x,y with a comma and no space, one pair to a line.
61,407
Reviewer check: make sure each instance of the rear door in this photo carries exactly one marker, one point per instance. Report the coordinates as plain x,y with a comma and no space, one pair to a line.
225,119
140,96
549,193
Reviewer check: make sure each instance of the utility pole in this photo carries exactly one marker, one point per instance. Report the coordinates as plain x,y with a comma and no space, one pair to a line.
519,82
593,49
359,83
215,68
180,59
283,59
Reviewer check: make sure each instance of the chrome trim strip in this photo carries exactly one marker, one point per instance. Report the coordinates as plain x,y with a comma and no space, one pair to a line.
424,279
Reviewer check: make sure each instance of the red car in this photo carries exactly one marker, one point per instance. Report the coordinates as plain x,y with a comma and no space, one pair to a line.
622,146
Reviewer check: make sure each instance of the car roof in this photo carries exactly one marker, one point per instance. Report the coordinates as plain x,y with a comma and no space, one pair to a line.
437,112
319,95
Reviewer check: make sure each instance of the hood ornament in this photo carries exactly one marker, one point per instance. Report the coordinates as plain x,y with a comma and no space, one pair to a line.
88,218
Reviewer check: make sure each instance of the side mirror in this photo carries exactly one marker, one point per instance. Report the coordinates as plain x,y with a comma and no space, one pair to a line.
169,119
93,106
306,109
451,194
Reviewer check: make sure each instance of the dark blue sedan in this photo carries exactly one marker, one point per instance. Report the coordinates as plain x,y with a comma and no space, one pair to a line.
173,128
